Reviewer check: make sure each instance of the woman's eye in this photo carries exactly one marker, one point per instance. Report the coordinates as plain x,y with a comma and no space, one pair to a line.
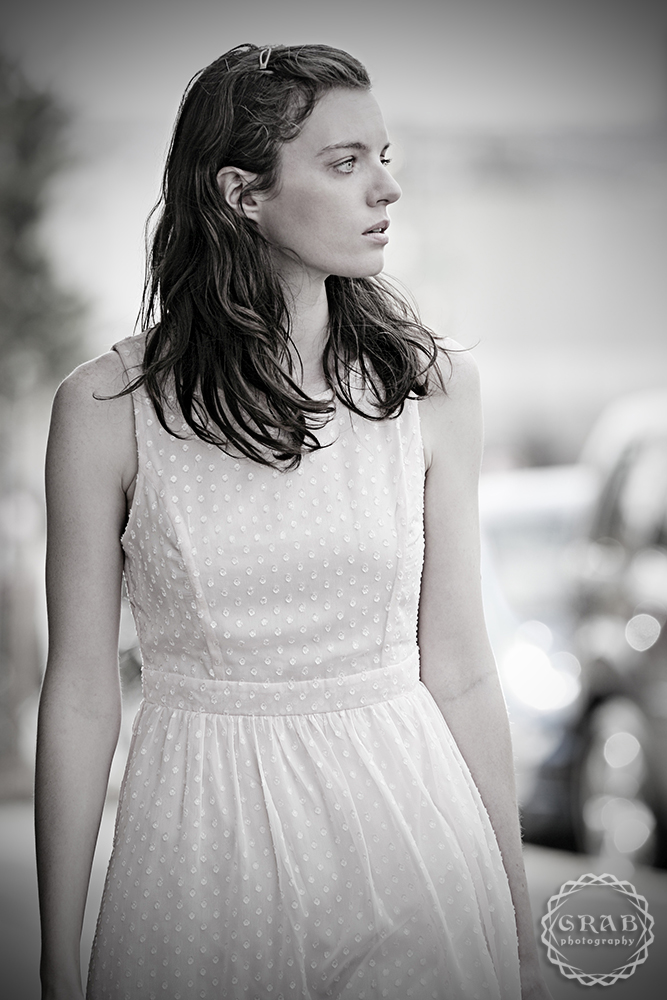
385,160
346,166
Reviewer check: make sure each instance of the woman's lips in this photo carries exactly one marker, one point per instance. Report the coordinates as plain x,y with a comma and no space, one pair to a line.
378,237
378,232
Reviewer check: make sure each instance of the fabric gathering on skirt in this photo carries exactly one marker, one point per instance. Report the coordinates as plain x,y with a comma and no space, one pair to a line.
295,821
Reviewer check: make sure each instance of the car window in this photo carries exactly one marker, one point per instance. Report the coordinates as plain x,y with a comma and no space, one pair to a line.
639,516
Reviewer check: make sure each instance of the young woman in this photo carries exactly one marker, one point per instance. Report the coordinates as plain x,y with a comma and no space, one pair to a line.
318,801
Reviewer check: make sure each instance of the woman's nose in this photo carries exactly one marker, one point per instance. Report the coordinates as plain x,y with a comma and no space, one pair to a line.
395,191
386,189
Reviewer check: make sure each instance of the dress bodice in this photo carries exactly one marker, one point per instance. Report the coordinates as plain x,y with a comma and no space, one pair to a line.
242,572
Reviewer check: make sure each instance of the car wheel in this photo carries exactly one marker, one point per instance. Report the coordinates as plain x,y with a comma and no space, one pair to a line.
613,815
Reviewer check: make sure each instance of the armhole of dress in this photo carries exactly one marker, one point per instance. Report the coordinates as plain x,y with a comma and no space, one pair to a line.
419,435
125,355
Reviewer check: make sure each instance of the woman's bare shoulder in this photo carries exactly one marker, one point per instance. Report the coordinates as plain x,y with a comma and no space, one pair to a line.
449,412
90,419
459,372
87,384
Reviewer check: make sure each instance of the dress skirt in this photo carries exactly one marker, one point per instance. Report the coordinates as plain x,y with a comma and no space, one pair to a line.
299,841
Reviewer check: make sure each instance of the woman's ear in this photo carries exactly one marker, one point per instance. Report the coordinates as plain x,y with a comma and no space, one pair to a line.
232,182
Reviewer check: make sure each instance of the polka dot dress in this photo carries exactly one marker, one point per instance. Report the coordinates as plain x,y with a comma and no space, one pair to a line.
296,821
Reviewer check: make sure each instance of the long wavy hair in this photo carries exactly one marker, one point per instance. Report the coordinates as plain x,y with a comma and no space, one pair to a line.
214,310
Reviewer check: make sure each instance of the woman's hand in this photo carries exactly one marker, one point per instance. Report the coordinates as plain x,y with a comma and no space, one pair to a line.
62,992
533,986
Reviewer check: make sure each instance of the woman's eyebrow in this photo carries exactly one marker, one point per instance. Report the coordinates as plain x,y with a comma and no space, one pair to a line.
360,146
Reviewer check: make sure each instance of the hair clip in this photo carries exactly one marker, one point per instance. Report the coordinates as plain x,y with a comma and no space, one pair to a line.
264,57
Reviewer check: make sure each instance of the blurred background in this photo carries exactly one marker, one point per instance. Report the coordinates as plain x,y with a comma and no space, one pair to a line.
530,140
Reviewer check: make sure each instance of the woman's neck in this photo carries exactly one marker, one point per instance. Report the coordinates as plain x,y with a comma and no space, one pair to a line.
309,314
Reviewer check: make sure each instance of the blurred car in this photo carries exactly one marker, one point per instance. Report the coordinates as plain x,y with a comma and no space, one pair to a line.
601,599
618,750
532,520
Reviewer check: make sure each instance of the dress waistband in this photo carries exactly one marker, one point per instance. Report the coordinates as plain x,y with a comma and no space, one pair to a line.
309,697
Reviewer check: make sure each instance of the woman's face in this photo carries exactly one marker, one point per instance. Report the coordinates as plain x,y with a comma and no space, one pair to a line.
334,189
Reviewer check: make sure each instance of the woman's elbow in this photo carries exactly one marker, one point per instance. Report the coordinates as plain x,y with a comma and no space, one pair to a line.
88,693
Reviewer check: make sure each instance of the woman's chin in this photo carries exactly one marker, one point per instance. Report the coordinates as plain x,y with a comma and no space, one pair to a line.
369,270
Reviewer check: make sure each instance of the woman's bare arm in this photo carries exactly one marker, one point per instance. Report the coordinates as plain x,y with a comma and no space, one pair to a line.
91,463
457,662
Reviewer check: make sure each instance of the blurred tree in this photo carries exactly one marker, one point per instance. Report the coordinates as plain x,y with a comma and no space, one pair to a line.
40,341
39,332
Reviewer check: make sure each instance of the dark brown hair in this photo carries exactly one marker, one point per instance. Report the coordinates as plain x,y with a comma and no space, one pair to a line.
217,323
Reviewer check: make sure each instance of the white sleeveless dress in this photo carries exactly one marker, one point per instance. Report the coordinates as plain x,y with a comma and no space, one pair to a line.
296,820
